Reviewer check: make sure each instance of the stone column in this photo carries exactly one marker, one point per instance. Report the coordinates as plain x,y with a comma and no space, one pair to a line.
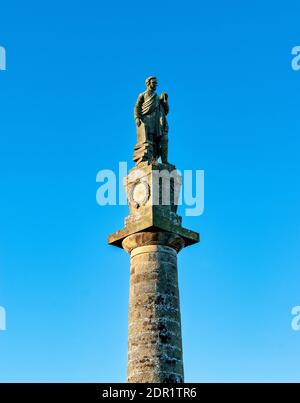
154,336
153,235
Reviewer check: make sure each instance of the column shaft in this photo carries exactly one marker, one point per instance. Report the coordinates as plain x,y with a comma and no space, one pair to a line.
154,339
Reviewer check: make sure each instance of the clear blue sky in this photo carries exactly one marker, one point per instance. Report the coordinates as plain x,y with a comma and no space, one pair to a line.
74,69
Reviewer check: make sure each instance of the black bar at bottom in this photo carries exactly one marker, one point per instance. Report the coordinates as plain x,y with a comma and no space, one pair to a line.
100,392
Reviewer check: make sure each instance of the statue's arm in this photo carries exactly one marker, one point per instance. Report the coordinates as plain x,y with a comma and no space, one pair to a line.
138,107
166,107
164,102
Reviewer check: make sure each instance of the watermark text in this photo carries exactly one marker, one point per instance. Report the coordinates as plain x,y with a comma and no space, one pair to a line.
2,318
296,318
296,58
161,187
2,58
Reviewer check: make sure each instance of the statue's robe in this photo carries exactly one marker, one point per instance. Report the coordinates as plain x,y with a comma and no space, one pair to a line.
150,110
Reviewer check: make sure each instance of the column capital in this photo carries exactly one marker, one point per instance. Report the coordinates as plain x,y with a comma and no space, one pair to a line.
139,239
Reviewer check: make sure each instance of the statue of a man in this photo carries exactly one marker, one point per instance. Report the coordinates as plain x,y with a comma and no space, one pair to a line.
151,110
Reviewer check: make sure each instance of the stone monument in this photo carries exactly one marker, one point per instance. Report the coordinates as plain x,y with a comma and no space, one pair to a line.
153,235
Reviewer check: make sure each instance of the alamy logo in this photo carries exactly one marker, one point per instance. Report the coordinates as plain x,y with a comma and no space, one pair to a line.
2,58
2,318
166,188
296,59
296,318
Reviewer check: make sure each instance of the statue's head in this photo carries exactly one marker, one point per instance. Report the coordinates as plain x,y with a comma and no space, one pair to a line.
151,83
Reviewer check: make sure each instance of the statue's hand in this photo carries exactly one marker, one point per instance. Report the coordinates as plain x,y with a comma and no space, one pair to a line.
138,122
164,96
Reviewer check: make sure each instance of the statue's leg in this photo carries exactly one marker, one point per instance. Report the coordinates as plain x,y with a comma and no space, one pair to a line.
163,149
151,143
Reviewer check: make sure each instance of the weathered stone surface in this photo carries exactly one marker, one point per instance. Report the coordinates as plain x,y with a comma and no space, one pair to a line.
153,235
154,331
